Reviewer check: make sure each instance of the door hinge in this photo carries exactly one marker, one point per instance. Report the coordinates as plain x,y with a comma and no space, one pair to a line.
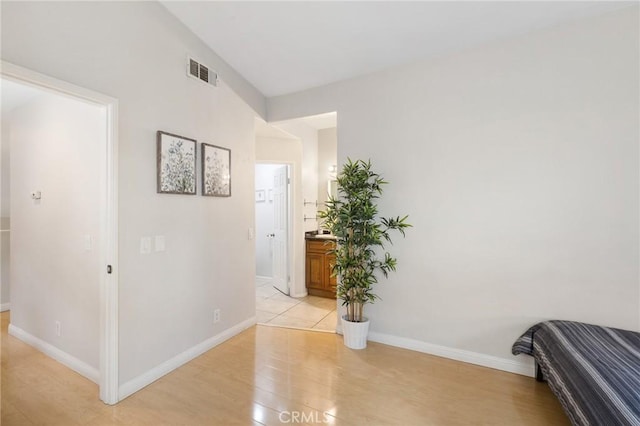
109,269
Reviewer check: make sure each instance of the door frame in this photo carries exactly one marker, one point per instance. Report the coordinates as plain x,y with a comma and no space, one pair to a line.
108,217
290,169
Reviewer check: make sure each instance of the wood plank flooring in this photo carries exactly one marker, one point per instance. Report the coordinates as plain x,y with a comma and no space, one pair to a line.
274,376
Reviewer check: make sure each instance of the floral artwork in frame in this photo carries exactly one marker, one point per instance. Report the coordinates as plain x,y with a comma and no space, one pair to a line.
216,171
176,156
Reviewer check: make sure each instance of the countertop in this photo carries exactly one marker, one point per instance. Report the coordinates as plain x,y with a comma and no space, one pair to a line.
313,235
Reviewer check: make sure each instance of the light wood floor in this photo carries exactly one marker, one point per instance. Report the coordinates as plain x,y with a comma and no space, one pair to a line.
266,375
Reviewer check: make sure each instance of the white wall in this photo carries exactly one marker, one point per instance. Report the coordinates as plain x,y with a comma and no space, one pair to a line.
136,52
518,165
54,277
309,173
5,179
289,151
327,157
5,219
264,220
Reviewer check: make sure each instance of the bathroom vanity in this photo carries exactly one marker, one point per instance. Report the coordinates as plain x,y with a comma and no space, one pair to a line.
318,264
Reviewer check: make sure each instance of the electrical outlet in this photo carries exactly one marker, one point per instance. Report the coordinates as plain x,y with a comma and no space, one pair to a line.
58,329
216,315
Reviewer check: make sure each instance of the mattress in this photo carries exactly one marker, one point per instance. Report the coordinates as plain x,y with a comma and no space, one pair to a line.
594,371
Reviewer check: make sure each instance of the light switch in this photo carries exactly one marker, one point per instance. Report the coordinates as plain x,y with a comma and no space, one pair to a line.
145,245
159,243
88,242
250,234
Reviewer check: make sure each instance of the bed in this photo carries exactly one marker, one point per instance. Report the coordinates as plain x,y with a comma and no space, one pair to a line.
594,371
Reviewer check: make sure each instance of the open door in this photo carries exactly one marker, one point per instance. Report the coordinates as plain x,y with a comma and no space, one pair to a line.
106,237
280,229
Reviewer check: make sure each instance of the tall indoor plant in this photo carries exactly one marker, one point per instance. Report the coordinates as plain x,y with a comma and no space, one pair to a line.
360,253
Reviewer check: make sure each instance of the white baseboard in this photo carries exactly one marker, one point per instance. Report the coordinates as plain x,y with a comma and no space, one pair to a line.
484,360
5,307
62,357
134,385
299,295
260,277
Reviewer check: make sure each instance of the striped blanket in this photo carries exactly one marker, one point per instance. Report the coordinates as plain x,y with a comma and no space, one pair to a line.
594,371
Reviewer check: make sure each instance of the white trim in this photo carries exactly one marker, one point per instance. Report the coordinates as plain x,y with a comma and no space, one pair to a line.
179,360
109,283
108,218
260,277
298,295
62,357
512,366
5,307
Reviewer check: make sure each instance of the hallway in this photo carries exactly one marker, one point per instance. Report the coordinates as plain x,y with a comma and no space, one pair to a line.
310,312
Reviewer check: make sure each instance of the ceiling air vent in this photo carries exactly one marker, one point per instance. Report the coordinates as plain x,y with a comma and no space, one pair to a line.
202,72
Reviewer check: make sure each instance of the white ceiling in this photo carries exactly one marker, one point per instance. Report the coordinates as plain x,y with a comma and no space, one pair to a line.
284,47
321,121
318,122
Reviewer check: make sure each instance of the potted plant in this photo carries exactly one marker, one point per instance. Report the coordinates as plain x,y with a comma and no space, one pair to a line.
360,253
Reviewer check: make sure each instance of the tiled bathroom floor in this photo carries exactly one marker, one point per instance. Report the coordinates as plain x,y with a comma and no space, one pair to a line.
310,312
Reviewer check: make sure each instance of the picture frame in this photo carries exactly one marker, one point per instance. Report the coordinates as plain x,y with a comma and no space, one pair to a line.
176,164
260,197
216,170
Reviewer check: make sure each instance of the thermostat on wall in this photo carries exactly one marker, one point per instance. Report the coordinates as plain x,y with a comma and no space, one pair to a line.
36,195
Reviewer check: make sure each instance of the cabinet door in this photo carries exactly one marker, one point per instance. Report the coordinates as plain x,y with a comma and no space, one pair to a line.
330,280
315,272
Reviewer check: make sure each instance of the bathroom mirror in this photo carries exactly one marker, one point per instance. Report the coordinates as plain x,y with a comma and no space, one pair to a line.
332,188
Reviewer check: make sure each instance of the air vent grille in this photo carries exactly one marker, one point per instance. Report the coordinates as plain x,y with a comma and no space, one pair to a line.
201,72
204,73
193,68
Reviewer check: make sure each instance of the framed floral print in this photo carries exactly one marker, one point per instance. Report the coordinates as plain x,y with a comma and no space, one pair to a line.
176,164
216,171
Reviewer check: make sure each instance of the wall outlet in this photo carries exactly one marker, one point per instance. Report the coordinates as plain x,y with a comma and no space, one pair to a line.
58,329
216,315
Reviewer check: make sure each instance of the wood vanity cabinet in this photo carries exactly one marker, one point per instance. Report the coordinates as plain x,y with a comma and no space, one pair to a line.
318,268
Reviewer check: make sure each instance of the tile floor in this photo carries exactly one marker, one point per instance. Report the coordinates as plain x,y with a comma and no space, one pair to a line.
310,312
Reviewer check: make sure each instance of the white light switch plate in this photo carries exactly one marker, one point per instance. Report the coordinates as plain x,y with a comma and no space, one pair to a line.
145,245
160,243
88,242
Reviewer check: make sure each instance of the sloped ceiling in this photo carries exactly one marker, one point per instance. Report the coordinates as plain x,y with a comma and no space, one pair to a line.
285,47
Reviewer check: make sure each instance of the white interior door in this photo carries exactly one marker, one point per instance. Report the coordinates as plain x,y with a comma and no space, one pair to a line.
280,229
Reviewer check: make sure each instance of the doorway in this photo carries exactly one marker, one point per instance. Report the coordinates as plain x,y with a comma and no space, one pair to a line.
72,196
273,213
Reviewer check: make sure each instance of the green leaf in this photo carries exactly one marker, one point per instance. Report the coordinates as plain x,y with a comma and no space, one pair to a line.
352,217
